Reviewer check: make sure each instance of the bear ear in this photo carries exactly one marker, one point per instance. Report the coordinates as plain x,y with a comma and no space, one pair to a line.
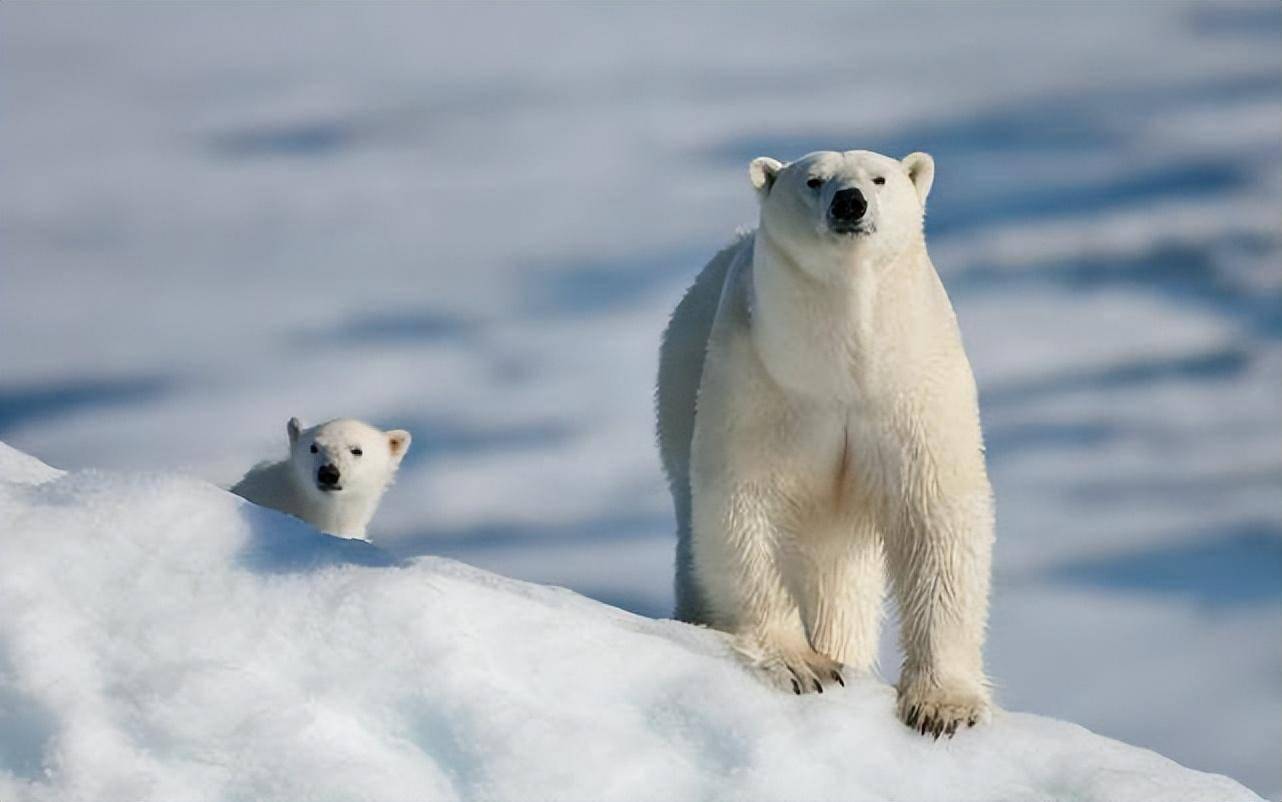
295,429
398,442
921,171
762,173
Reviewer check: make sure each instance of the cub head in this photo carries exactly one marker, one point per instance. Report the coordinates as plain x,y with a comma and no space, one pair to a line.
856,206
344,457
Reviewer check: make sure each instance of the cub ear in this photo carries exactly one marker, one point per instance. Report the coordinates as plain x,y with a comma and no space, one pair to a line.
921,171
295,429
762,173
398,442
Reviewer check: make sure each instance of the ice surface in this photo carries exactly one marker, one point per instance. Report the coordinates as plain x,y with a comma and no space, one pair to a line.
161,639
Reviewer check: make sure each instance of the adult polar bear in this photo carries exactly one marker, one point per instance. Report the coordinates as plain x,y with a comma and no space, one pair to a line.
837,432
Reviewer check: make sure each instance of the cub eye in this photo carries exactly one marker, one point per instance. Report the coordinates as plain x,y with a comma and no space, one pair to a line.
356,452
314,449
815,183
879,180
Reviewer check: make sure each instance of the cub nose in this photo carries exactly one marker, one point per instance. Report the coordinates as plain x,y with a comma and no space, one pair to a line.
327,475
848,206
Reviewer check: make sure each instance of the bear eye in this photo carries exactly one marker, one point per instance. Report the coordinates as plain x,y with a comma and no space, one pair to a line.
815,182
356,452
314,448
879,180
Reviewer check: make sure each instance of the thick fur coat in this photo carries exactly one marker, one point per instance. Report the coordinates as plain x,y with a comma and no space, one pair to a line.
819,426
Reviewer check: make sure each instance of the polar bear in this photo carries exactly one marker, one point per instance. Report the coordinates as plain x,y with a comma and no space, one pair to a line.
335,475
837,436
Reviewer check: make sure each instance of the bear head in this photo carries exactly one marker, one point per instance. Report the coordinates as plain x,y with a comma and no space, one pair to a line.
829,211
344,458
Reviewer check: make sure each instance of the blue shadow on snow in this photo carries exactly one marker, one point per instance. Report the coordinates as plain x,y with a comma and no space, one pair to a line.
590,286
389,328
1221,363
457,543
1187,273
19,405
1242,566
306,138
986,174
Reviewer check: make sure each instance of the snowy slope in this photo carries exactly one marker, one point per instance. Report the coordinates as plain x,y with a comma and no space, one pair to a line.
161,639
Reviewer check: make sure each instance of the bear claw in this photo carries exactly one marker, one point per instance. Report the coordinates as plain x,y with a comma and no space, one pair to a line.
934,711
801,671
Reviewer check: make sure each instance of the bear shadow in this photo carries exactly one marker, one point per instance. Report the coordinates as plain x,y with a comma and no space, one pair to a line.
282,544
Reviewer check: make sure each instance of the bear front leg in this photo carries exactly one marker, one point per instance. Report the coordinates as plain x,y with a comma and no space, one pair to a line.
839,585
940,558
786,661
736,562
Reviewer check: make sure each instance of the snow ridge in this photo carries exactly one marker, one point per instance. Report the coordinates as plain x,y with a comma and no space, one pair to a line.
162,639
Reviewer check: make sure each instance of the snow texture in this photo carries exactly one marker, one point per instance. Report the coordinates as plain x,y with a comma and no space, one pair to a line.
161,639
472,221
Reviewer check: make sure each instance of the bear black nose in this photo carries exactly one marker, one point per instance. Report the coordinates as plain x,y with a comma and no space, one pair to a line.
327,475
848,206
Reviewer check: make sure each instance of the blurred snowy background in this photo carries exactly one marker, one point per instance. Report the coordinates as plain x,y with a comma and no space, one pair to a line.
472,221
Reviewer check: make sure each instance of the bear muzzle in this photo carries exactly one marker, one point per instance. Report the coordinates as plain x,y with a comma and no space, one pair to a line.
327,477
847,212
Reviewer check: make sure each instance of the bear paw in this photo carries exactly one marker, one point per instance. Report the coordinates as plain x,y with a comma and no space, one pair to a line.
941,709
799,671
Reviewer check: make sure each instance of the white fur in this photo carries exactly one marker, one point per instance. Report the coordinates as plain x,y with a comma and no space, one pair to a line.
837,439
291,485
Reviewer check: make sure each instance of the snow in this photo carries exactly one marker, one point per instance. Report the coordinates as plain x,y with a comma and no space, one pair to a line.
18,467
161,639
472,221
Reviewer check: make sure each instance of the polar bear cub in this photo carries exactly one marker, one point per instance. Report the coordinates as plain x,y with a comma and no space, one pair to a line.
334,477
836,439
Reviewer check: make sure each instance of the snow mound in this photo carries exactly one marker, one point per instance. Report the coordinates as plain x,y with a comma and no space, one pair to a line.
20,468
162,639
